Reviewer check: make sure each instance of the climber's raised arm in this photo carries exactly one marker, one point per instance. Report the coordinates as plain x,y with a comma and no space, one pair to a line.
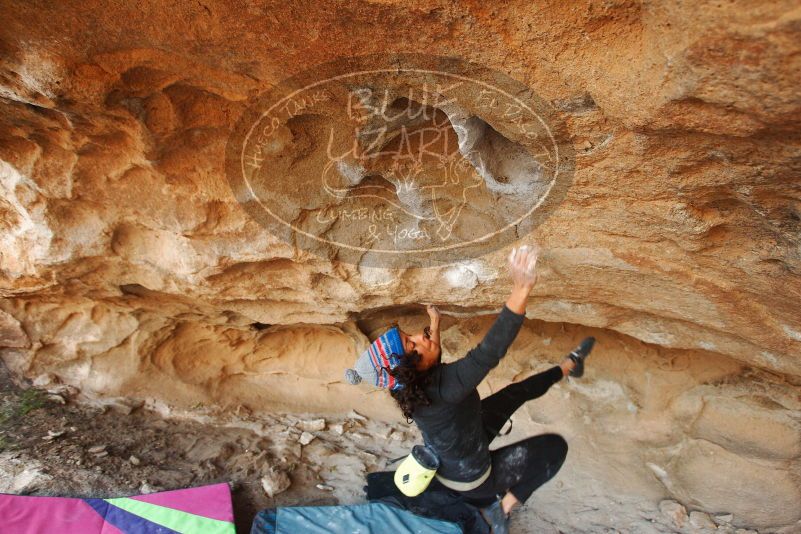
460,378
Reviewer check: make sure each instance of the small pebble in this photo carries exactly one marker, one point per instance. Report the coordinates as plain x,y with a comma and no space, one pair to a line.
723,519
52,435
146,488
315,425
274,482
700,520
54,397
356,415
674,511
366,456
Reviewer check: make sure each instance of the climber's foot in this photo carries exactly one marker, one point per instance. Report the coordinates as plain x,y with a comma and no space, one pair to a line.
579,354
496,518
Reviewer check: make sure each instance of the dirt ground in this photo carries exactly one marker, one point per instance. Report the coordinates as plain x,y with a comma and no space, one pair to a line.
51,445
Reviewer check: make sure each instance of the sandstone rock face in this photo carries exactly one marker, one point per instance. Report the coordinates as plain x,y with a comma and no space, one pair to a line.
129,269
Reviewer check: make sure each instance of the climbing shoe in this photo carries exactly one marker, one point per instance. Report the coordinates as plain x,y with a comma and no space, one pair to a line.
496,518
579,354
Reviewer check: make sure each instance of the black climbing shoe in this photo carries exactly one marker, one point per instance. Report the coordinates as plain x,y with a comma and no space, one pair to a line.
496,518
579,354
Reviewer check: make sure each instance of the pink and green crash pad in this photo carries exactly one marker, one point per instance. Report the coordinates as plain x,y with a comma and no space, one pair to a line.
205,509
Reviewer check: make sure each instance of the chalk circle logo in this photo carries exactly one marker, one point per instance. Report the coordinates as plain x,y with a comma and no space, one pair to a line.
399,160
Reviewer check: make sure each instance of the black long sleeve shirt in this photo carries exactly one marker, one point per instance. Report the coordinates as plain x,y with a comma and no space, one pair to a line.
451,424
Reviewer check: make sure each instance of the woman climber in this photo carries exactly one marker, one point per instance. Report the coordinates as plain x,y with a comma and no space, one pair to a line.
456,424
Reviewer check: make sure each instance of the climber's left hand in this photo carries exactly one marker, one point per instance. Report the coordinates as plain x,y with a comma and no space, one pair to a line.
433,314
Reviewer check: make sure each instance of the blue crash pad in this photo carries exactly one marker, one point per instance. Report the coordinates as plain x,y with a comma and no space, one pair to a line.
377,518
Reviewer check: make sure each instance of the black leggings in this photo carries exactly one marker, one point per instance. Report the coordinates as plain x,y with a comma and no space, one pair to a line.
524,466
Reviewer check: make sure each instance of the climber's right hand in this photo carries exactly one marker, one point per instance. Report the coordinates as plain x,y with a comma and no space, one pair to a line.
523,266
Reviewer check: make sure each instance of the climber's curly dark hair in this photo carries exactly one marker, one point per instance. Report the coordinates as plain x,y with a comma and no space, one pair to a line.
412,394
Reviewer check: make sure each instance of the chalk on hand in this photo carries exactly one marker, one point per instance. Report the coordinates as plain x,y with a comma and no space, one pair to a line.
532,265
